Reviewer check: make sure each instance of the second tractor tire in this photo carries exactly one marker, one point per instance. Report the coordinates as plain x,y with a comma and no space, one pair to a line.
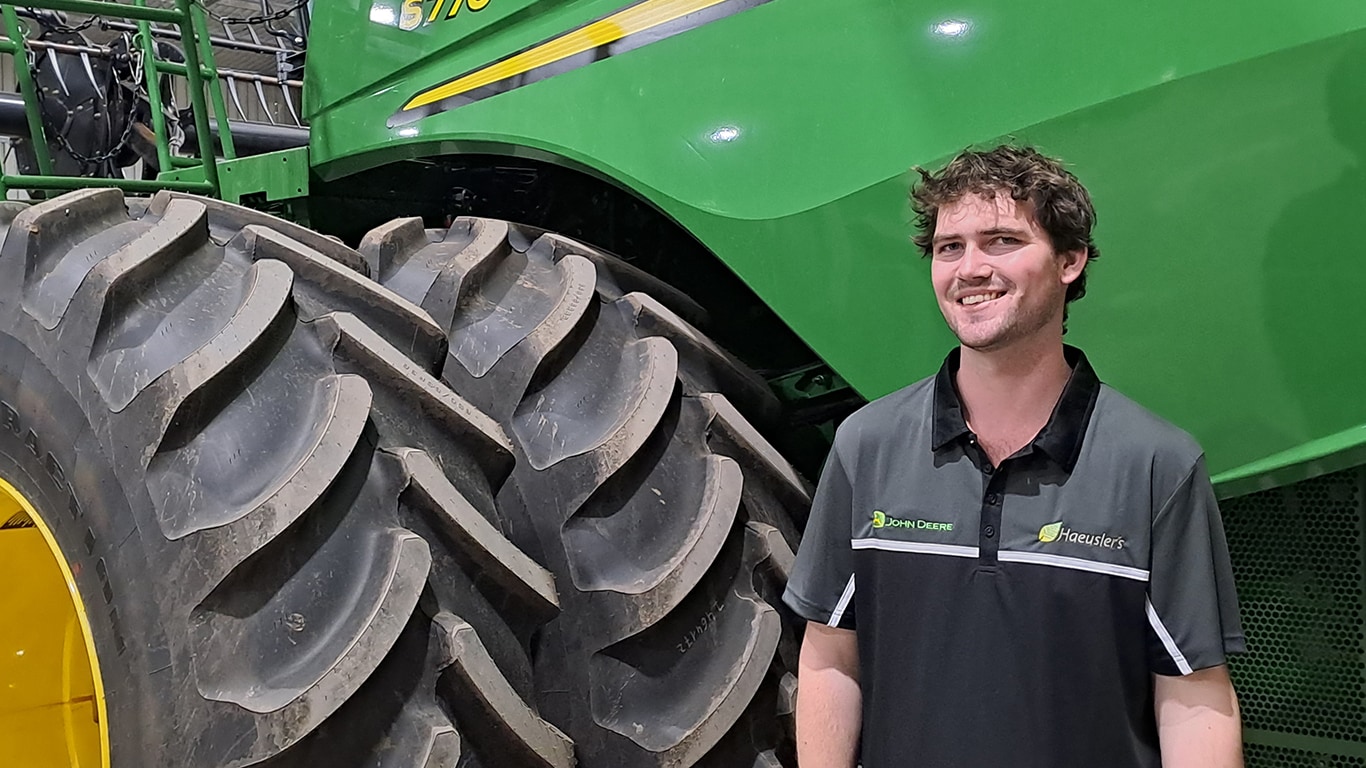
641,483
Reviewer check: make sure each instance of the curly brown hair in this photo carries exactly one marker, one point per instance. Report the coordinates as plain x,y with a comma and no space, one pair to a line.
1060,203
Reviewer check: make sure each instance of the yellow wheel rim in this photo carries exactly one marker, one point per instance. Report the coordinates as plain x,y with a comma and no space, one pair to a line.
52,708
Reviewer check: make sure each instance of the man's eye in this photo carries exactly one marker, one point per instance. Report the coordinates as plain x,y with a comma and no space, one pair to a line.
949,248
1008,240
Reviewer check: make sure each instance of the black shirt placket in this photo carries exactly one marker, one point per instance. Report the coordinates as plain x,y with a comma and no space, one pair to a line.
993,498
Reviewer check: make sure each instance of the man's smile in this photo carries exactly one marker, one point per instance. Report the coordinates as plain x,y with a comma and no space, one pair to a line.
980,298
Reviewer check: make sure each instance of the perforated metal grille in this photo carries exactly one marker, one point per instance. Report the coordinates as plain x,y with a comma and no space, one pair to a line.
1261,756
1297,560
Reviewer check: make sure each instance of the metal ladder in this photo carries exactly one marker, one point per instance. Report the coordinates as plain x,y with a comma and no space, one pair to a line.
198,70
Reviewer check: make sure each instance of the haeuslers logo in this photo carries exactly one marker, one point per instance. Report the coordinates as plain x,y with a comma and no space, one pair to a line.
1059,532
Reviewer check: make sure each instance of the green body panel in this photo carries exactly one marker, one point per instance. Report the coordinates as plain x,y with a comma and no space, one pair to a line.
1222,142
1334,453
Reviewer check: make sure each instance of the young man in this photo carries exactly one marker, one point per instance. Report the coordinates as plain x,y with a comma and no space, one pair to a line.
1009,563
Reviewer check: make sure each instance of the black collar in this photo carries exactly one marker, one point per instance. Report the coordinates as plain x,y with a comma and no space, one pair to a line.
1060,438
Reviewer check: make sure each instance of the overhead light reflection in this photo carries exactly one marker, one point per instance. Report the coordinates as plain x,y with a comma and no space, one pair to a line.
953,28
382,14
407,131
724,133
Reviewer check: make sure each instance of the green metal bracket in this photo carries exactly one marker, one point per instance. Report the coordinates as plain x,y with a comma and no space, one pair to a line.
281,175
807,383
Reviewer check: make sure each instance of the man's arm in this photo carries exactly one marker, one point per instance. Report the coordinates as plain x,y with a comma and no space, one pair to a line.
1193,625
1198,724
829,702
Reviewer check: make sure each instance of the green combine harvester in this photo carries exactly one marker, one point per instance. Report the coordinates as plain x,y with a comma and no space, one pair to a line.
468,414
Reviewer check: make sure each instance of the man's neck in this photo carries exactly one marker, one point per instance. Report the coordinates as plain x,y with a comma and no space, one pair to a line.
1009,394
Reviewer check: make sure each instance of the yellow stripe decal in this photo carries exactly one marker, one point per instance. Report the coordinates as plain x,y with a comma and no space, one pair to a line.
637,18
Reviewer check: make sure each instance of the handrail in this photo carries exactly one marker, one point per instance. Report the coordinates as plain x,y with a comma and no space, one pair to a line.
27,89
128,185
220,112
149,54
189,44
100,8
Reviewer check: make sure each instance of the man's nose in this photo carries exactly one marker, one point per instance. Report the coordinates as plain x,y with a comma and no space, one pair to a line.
974,265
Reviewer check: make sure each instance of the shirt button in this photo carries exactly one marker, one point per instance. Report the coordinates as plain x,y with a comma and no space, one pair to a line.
993,499
990,531
988,469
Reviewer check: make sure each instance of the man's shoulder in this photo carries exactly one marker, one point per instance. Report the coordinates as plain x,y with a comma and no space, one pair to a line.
893,415
1143,435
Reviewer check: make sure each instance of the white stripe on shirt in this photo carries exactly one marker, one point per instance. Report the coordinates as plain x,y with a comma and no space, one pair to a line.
843,604
1181,664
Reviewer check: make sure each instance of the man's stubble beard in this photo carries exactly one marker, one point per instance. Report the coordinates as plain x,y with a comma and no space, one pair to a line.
1019,323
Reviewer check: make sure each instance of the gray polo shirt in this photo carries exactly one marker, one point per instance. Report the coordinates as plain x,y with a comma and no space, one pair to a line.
1015,615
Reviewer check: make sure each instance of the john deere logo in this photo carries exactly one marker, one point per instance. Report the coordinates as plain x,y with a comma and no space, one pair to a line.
884,520
1059,532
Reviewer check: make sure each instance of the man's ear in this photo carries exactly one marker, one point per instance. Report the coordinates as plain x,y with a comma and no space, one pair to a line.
1073,262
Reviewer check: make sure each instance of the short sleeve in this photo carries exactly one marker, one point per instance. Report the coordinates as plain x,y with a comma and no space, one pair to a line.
1192,605
821,585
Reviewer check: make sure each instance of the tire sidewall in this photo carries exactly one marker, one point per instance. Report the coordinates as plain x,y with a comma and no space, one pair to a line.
50,453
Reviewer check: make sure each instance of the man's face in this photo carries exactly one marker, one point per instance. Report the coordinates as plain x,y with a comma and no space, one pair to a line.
995,274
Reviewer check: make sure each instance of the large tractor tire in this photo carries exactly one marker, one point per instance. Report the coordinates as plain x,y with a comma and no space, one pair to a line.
281,525
518,518
640,482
